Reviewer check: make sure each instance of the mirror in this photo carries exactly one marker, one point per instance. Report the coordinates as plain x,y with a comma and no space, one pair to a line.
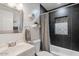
11,19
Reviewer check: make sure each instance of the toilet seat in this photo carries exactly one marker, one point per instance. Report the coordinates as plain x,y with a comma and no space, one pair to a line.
44,53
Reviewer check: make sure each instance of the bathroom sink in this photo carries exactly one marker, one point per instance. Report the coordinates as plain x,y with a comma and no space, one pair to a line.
23,49
3,54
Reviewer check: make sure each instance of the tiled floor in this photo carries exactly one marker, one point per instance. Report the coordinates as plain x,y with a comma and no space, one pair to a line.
45,53
54,54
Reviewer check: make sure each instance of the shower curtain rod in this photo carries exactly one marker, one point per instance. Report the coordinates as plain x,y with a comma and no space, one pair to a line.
57,9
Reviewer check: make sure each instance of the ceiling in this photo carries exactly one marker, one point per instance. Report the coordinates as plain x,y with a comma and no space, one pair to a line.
50,6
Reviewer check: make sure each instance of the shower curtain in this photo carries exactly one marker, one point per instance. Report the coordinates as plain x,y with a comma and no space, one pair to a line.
44,33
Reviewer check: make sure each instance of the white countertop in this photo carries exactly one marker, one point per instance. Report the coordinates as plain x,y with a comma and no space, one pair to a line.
17,50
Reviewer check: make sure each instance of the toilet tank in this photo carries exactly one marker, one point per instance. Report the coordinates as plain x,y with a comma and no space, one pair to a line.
36,43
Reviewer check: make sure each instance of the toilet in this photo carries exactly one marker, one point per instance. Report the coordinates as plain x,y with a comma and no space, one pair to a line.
36,43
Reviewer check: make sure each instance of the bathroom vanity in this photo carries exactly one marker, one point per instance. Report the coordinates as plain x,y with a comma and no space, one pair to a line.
21,49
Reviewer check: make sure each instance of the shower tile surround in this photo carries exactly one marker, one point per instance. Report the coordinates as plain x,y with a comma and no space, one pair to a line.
65,44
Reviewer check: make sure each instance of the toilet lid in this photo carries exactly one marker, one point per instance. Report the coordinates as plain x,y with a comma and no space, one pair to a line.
44,53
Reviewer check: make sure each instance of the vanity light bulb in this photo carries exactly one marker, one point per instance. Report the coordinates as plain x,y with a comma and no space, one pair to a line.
12,4
19,6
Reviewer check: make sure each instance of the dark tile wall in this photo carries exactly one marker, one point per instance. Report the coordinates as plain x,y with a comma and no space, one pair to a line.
42,9
70,41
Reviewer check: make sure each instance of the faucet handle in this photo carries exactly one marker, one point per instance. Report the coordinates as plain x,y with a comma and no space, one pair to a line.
11,44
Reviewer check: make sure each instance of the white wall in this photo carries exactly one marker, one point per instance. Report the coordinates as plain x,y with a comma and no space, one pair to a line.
8,37
28,10
6,21
19,37
11,37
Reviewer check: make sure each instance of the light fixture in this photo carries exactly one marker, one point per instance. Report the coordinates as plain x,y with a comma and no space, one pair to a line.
19,6
12,5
